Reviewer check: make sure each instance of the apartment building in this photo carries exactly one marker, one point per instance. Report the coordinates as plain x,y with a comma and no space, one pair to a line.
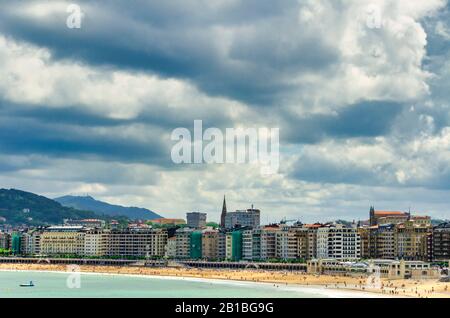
411,240
251,244
171,247
31,242
210,240
137,243
4,240
195,248
385,242
62,240
287,243
269,242
196,220
233,246
338,242
221,245
312,239
183,243
243,218
441,242
96,242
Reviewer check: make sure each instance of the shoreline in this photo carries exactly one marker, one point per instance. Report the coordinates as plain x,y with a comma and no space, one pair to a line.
328,285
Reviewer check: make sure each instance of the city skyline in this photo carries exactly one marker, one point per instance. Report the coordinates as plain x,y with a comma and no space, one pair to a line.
359,93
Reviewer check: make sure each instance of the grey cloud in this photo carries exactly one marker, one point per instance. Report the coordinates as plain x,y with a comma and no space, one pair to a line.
162,38
365,119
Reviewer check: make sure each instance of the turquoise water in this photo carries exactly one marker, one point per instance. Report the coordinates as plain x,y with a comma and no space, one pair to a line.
50,285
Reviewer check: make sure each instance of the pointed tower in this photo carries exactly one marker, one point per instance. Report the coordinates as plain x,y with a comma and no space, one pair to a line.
372,216
224,213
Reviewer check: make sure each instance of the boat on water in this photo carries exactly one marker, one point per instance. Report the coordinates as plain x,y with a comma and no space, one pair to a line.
30,284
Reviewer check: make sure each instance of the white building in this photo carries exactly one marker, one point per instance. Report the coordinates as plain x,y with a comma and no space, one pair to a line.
338,242
95,242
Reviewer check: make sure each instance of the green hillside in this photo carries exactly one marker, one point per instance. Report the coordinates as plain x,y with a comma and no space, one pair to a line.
20,207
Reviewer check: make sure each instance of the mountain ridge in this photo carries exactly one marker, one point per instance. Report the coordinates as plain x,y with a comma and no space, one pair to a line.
97,206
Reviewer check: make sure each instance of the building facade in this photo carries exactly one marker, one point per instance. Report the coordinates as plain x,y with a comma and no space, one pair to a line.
243,218
441,242
183,243
137,243
411,240
62,240
210,240
96,242
338,242
196,220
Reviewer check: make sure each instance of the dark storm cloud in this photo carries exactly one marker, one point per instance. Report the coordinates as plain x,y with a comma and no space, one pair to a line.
366,119
29,136
313,168
156,115
184,40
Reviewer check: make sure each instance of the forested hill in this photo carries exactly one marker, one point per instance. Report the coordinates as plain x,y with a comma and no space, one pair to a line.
20,207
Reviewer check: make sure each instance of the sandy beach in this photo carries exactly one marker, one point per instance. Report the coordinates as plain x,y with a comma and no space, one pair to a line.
395,288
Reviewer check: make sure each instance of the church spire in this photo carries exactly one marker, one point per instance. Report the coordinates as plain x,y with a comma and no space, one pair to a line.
224,213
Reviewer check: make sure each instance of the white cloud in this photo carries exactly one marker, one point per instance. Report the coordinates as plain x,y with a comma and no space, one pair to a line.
30,76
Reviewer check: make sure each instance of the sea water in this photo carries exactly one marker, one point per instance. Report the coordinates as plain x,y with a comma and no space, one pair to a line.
53,284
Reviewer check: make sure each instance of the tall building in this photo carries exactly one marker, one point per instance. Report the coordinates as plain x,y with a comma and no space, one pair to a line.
441,242
233,245
251,244
221,245
96,242
302,242
312,240
286,243
195,248
171,247
4,240
196,220
384,241
183,243
223,214
338,242
62,240
31,242
364,234
411,240
210,240
137,243
242,218
269,242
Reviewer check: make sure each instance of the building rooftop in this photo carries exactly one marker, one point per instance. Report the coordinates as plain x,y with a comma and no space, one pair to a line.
390,213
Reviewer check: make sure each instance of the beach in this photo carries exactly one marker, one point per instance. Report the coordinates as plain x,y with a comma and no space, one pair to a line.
392,288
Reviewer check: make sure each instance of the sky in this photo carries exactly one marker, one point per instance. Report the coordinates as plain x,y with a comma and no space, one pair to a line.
359,89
